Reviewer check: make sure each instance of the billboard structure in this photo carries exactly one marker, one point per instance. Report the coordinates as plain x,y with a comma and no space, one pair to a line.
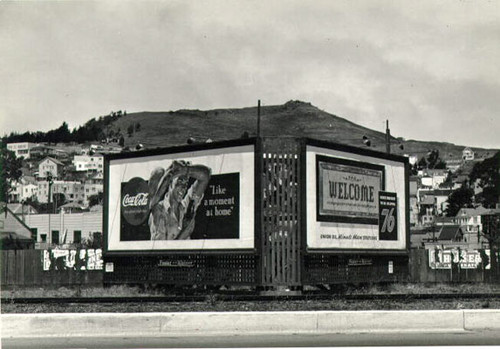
355,200
184,198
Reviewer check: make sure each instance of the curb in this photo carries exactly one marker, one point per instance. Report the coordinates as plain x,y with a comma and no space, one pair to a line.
234,323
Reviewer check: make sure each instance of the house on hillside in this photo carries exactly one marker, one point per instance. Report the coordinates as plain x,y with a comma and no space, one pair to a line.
20,209
469,220
468,154
40,151
426,207
21,149
413,200
453,165
50,166
450,234
441,198
71,207
73,191
24,189
433,178
14,233
89,163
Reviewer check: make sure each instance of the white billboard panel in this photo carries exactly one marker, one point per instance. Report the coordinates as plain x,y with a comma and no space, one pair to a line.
192,200
355,201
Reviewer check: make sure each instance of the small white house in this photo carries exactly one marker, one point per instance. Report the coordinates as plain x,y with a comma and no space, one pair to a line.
468,154
89,163
50,166
21,149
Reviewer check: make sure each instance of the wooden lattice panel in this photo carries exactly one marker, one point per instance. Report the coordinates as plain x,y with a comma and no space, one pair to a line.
280,212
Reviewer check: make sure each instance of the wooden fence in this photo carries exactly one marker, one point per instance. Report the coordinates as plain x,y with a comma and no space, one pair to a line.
425,270
40,268
21,268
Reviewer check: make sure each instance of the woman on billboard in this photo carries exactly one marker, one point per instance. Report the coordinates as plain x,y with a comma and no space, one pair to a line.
175,194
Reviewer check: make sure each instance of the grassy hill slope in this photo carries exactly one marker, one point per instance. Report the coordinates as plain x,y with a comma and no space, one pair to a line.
294,118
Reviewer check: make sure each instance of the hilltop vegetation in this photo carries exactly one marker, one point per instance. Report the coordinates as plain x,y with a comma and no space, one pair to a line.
294,119
93,130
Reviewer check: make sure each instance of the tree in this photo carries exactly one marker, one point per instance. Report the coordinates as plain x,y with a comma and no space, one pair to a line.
487,174
96,199
491,231
422,163
462,197
58,199
10,171
130,130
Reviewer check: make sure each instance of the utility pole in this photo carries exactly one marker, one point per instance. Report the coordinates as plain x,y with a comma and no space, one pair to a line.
387,138
258,119
49,179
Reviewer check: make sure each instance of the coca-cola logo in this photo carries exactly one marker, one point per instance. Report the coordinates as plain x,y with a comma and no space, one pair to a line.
140,199
135,201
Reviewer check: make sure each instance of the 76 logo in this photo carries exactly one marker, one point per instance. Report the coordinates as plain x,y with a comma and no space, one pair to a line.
389,220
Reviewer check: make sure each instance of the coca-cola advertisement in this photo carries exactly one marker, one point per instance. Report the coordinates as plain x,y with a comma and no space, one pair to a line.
154,210
194,200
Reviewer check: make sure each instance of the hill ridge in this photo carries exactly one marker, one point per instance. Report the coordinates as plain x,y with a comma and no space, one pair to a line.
294,118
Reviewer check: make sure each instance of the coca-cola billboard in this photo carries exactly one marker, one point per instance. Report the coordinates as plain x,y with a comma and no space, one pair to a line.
196,200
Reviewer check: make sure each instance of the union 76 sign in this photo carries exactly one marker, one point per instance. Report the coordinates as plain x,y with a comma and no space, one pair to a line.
388,216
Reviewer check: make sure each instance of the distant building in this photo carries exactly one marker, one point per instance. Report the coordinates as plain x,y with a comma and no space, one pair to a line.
441,196
23,190
412,159
90,190
453,164
71,207
450,233
62,228
14,233
21,149
21,209
50,166
72,191
89,163
469,220
433,178
413,200
468,154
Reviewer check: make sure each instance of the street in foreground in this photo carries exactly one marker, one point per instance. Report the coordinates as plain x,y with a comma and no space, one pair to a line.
484,337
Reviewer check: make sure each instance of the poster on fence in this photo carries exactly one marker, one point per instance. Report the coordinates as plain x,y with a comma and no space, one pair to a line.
202,199
465,259
84,259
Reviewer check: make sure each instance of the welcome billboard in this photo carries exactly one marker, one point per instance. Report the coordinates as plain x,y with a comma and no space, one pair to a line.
355,199
186,198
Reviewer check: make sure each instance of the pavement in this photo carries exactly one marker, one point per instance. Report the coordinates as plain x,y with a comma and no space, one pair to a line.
249,323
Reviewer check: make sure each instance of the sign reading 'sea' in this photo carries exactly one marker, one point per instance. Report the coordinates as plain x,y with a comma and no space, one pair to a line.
348,190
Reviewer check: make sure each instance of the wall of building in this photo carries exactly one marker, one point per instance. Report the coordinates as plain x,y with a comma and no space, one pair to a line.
87,223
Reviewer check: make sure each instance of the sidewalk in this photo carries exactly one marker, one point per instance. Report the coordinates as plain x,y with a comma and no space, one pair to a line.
234,323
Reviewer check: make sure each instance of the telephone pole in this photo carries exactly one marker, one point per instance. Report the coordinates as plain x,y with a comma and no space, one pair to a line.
387,138
258,119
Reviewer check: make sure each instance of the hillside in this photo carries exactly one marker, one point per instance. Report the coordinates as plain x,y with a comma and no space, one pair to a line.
294,118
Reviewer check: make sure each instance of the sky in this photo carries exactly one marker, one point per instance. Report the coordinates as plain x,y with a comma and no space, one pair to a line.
429,67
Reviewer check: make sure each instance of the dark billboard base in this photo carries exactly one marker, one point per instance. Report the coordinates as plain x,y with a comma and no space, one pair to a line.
186,269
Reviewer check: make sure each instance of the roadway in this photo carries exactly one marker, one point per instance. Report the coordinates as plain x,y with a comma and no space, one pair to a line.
458,338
